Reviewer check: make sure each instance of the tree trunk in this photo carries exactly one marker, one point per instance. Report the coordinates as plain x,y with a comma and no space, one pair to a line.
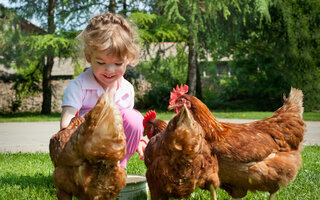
199,85
112,6
124,6
46,76
192,67
46,85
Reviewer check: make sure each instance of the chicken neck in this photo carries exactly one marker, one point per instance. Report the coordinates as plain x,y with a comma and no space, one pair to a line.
201,113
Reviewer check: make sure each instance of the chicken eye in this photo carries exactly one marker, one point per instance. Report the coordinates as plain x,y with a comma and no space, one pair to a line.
188,103
183,101
179,101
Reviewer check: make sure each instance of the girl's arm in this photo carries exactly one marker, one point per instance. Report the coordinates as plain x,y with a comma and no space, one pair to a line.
67,114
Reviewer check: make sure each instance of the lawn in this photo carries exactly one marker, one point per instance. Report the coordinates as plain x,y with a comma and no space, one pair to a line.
29,176
164,115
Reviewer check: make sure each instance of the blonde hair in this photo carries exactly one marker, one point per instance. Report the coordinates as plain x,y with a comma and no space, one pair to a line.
111,33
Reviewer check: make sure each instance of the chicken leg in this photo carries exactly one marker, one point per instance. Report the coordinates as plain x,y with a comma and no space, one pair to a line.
272,196
213,192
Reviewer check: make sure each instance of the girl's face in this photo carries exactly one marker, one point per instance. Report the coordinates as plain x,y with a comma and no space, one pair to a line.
106,68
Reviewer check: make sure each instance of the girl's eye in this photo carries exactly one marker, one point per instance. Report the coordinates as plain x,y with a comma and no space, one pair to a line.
118,64
100,63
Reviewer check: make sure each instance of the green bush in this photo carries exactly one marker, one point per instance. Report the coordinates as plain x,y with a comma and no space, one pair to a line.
163,74
157,98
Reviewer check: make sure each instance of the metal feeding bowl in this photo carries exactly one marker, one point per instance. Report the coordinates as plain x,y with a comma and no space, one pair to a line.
136,188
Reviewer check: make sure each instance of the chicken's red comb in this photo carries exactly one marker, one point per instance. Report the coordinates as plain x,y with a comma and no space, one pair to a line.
183,89
151,114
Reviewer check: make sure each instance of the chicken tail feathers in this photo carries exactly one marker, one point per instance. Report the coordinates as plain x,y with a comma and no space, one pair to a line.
291,127
101,136
294,102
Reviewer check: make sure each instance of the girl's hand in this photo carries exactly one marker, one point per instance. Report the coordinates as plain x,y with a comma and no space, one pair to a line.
141,147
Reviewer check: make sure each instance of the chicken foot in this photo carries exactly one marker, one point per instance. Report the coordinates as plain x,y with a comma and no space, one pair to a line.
213,192
272,196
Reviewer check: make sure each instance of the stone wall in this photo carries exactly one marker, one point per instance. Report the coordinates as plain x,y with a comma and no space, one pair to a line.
34,103
31,103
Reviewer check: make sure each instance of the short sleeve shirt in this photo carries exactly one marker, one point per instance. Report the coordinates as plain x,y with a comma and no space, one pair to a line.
84,91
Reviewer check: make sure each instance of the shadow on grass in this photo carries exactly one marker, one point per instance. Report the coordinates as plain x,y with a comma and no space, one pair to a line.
39,181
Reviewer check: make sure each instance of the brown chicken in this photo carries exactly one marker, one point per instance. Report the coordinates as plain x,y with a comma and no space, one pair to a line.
86,154
178,160
263,155
152,125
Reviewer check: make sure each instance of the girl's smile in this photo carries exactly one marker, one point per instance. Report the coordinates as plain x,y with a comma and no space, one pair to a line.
109,77
106,68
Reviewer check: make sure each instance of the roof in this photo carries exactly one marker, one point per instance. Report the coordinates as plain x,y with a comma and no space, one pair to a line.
25,25
61,67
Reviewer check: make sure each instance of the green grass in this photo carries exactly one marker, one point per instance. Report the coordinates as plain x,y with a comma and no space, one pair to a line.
26,176
29,176
307,116
28,117
164,115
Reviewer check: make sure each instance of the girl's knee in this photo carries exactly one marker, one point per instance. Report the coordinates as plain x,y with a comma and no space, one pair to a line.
133,129
132,120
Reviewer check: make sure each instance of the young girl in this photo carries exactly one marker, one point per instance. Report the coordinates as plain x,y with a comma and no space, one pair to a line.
109,46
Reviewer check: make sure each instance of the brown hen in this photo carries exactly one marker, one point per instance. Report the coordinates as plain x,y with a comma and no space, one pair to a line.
178,160
263,155
86,154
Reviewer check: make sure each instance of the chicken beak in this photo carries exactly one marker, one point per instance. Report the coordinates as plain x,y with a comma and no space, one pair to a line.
171,107
174,107
185,114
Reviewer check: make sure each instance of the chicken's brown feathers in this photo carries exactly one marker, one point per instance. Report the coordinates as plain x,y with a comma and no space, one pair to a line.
201,113
262,155
294,103
178,159
86,154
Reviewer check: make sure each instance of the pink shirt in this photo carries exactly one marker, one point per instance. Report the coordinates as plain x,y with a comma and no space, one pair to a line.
84,91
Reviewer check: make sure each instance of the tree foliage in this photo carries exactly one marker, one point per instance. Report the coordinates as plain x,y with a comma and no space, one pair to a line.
274,44
71,14
27,52
155,28
203,18
275,55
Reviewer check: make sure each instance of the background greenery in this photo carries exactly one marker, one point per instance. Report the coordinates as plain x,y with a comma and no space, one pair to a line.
273,45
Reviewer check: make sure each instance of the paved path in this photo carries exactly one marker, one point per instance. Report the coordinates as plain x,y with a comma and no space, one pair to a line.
35,136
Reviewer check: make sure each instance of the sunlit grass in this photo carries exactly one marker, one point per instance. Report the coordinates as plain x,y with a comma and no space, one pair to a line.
26,176
29,176
28,117
164,115
307,116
